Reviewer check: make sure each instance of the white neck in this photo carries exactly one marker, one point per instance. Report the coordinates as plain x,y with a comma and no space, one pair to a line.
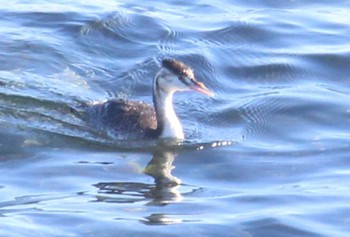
168,123
166,117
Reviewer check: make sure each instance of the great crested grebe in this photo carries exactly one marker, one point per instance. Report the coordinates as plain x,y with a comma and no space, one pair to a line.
138,119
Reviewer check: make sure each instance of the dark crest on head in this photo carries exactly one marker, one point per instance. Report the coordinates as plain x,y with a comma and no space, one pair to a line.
178,68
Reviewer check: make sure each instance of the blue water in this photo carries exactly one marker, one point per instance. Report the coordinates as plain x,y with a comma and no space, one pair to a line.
268,155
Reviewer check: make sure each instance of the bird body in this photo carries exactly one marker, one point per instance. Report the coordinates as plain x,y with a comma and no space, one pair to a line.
123,118
137,119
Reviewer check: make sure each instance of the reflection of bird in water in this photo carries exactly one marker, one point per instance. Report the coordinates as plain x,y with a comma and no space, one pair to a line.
165,190
140,120
160,168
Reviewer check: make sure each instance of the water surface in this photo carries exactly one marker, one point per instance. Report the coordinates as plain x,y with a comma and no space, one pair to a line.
267,156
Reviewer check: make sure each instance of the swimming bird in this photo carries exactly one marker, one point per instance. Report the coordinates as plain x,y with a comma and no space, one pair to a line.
138,119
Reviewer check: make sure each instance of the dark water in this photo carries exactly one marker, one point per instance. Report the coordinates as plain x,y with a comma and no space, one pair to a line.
281,114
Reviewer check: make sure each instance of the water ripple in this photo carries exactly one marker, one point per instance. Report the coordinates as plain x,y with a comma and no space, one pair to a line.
267,156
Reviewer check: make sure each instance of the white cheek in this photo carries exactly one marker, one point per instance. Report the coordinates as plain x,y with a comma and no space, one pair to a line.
184,86
170,83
